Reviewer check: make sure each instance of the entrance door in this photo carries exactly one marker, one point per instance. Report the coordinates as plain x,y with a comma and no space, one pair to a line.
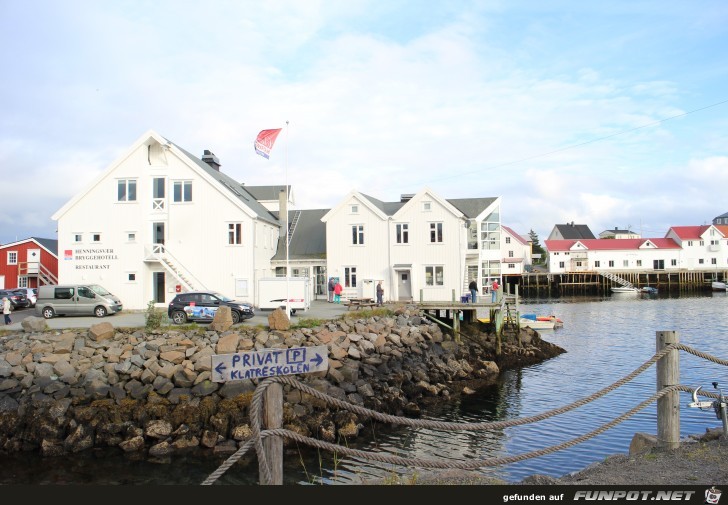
321,288
404,285
158,287
33,259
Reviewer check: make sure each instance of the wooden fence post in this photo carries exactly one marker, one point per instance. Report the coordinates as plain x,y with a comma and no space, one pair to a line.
668,407
273,446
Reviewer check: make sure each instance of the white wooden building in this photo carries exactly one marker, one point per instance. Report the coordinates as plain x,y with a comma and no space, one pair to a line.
423,247
159,221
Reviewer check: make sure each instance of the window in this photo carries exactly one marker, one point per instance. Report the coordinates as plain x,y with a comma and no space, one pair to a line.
131,237
625,263
435,232
702,243
357,234
63,293
158,193
235,233
639,263
690,243
673,263
12,257
22,282
713,261
578,263
597,263
508,240
510,254
349,277
354,209
96,237
611,263
511,265
561,264
182,191
131,277
427,206
434,276
126,190
701,261
402,233
241,287
78,237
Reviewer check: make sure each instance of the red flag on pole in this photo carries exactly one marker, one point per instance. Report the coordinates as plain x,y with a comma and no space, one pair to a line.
264,142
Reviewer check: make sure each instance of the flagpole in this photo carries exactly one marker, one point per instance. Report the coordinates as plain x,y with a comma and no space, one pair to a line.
288,272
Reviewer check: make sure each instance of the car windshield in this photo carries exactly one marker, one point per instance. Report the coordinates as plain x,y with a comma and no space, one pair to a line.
222,297
99,290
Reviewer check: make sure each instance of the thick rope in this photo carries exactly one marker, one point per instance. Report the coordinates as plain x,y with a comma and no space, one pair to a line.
258,435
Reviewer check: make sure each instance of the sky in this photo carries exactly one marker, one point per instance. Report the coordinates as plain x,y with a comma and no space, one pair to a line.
609,114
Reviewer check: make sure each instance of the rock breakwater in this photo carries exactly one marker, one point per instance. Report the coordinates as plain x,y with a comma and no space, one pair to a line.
151,392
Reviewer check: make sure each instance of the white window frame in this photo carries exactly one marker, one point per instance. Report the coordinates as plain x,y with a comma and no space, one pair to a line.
431,275
350,277
181,186
357,234
126,183
12,257
436,228
401,233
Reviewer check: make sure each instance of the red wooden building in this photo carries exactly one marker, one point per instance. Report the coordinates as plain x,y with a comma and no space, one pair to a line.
29,263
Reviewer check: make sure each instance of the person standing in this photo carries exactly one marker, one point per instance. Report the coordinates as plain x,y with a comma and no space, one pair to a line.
380,294
6,309
494,290
337,292
473,287
331,289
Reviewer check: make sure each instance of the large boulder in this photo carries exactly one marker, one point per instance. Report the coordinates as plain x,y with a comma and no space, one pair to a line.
33,324
101,331
278,320
223,319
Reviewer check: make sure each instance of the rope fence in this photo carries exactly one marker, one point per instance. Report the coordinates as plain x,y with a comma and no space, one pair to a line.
270,463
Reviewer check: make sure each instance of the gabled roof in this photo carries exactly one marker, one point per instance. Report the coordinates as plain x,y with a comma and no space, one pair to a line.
689,232
626,244
239,191
471,207
723,228
515,235
388,208
571,231
49,244
309,237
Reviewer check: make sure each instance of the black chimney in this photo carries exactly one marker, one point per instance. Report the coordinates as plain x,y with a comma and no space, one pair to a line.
209,158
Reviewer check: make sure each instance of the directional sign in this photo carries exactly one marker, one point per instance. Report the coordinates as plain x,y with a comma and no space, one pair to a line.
269,363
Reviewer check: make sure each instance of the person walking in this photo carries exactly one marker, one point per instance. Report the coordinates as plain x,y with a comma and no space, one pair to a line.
494,290
380,294
6,309
473,287
331,289
338,288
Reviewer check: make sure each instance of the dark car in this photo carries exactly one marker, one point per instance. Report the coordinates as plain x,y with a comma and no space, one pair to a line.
200,306
17,298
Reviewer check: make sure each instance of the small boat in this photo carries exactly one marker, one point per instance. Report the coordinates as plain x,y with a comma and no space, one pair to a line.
559,322
533,321
624,289
649,290
718,286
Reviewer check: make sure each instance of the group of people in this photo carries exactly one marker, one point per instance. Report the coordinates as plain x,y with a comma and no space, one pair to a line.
473,287
335,289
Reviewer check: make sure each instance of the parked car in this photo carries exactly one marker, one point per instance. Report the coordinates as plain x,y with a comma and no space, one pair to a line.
30,293
76,300
17,299
202,305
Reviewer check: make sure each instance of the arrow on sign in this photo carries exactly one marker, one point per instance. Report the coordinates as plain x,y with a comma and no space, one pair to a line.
318,359
219,368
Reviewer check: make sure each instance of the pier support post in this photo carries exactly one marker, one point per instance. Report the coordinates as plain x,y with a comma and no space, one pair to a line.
668,407
273,446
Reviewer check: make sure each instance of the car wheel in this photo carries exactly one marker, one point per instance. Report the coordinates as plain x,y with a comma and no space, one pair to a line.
100,311
179,317
236,317
48,313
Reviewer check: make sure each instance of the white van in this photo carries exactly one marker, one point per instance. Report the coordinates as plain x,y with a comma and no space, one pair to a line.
76,300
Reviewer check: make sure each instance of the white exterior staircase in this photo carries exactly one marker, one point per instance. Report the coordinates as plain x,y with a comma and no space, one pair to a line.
160,253
617,279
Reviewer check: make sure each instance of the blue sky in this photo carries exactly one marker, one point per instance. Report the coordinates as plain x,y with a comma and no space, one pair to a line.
610,114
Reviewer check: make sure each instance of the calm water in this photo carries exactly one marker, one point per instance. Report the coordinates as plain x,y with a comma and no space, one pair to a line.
605,338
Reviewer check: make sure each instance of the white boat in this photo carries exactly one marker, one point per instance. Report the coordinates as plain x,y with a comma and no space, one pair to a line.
718,286
537,324
624,289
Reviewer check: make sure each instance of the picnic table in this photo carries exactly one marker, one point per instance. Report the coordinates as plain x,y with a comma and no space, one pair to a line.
358,303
